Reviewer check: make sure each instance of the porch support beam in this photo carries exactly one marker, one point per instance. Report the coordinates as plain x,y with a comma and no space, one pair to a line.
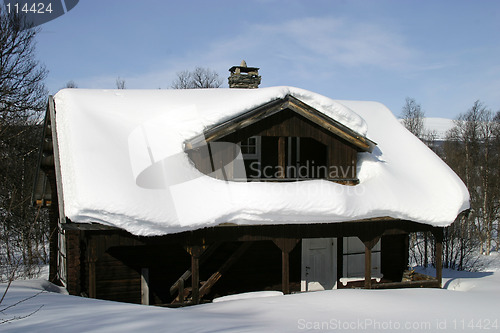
368,267
187,274
195,251
286,246
369,240
438,236
340,260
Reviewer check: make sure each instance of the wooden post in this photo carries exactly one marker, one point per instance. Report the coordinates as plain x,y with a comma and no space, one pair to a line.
195,251
187,274
368,267
438,235
340,260
195,278
369,239
286,246
285,274
282,156
145,286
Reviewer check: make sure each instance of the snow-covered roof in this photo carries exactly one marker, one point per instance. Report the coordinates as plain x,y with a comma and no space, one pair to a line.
107,138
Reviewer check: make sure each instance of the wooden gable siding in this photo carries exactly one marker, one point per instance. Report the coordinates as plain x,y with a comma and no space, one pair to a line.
287,123
264,111
290,124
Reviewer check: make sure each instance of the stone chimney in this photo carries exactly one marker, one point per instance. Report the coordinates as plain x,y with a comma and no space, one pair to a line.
244,77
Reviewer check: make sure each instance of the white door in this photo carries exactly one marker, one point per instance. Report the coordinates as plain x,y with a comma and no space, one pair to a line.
319,264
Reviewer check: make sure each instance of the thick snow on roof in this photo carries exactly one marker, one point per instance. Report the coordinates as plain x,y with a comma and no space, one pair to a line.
109,138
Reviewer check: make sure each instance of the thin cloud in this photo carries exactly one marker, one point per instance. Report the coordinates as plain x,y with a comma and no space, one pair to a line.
307,46
325,40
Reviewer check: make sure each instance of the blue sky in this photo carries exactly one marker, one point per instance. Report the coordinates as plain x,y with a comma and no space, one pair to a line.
445,54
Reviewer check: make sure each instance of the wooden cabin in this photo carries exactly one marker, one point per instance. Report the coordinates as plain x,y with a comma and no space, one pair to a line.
113,167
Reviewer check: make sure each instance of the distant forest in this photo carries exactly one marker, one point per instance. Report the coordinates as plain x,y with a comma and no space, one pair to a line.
472,149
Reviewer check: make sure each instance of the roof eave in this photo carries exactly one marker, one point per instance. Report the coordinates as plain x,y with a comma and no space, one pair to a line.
263,111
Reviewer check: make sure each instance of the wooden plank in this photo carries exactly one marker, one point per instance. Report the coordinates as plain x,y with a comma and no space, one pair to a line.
195,279
368,267
340,260
281,156
286,246
285,272
438,235
225,266
57,163
91,227
407,284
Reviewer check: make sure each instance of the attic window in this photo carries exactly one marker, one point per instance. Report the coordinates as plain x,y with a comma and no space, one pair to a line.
250,147
269,158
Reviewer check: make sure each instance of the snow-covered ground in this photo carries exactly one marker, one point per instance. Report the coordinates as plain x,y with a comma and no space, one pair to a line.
468,302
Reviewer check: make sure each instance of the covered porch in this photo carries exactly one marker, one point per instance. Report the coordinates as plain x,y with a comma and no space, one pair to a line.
200,265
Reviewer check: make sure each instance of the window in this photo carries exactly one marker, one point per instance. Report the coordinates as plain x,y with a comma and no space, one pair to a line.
251,151
295,158
250,148
354,258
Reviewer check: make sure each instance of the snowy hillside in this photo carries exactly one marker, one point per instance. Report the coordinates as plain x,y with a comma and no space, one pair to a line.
468,302
438,125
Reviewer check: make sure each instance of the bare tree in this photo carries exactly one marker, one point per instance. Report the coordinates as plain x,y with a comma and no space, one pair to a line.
21,76
472,150
413,117
496,175
200,78
120,83
71,84
22,100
